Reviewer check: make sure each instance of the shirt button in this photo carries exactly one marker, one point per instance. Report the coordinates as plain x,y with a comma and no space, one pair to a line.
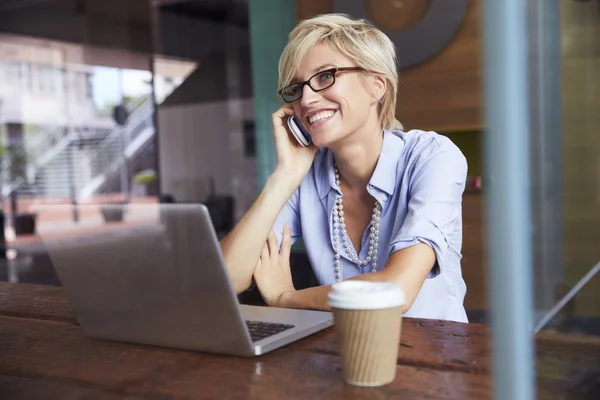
384,198
370,186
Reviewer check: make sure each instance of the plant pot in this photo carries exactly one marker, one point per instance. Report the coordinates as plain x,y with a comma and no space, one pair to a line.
24,224
152,189
113,213
145,189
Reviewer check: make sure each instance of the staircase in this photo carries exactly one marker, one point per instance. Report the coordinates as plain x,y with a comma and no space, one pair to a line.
69,162
121,146
47,144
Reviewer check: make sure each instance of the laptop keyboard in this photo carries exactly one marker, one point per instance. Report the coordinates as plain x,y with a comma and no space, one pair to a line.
260,330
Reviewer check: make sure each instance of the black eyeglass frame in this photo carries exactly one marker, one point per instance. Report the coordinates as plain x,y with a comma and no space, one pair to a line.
333,72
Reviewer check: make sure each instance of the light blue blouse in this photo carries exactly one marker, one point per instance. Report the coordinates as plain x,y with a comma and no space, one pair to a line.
419,181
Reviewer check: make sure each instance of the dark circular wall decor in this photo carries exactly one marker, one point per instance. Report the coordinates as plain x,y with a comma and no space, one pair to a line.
423,39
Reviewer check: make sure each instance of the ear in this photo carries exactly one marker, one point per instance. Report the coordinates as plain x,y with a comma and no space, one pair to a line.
379,86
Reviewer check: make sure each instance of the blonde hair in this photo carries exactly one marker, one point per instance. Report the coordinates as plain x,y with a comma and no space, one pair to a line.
358,40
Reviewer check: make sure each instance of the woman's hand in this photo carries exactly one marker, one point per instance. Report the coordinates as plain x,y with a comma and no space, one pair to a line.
293,160
272,274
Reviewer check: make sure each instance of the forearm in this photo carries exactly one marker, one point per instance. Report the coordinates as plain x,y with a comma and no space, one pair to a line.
407,268
242,246
315,298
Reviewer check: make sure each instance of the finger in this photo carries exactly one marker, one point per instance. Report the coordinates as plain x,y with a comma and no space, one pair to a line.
286,243
284,110
258,265
273,243
279,115
264,255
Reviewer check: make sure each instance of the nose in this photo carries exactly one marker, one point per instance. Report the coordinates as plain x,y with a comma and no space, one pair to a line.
309,96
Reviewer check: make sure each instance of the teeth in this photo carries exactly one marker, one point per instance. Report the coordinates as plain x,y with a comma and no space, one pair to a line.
320,116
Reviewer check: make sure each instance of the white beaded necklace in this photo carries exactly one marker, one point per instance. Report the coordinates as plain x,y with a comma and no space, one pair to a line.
339,222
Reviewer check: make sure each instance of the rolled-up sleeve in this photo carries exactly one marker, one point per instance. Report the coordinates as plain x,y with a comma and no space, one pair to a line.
435,204
291,216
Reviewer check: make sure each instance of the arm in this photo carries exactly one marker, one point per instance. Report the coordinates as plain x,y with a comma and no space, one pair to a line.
242,246
407,267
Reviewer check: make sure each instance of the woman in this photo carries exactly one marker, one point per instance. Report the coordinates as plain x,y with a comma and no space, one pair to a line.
371,202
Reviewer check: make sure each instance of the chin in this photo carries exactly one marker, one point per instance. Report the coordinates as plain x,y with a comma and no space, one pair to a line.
323,140
329,139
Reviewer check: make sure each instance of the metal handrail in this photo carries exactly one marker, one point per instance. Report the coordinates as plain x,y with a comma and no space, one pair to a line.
112,152
105,157
41,155
139,114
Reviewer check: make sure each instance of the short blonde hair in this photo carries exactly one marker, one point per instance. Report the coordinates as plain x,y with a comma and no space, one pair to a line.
358,40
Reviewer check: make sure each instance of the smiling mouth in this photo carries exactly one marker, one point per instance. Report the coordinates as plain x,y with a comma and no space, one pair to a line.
321,116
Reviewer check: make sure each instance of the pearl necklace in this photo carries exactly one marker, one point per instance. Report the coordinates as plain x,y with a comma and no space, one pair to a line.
339,222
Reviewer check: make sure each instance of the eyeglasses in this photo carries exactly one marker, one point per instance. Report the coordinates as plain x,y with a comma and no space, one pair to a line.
319,81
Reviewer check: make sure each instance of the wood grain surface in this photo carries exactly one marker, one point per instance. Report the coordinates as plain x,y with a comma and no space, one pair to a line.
44,354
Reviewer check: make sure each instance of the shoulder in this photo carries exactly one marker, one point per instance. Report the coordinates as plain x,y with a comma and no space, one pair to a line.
424,144
428,148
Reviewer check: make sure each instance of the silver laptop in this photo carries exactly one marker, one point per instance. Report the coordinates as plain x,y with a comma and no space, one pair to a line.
157,277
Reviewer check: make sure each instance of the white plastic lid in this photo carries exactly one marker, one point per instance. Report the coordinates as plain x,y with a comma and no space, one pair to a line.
365,295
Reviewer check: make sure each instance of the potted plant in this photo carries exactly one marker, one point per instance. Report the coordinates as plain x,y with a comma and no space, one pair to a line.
14,162
146,182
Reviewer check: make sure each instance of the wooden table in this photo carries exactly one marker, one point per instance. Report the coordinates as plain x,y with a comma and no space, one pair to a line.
44,355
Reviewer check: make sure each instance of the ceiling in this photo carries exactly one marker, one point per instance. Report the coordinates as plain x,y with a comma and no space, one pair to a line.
234,12
188,29
138,11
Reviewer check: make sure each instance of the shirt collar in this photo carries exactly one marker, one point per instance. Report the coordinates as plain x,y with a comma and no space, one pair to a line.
324,172
384,176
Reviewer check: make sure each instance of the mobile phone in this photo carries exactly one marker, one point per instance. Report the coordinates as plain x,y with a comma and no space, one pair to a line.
299,131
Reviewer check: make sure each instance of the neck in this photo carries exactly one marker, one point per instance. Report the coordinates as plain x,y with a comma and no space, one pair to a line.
356,158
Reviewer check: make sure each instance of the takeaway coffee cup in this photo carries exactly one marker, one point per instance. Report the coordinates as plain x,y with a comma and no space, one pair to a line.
368,317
